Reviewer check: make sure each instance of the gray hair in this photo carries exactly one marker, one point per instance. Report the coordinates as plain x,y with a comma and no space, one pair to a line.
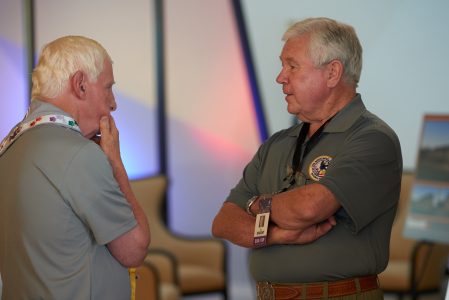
331,40
61,58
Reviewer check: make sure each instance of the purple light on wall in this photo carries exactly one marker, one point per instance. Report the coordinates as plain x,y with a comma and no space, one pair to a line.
138,141
13,85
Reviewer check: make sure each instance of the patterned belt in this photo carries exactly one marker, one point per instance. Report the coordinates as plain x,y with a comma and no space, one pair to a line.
271,291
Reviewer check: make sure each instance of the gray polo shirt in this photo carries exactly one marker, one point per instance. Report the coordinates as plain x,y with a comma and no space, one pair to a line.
358,158
59,207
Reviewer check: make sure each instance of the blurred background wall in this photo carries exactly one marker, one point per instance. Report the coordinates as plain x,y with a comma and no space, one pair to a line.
211,122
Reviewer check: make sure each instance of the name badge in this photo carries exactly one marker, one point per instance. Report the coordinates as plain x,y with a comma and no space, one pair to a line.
261,229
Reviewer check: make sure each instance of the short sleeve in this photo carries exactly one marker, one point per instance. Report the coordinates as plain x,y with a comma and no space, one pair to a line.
247,186
365,176
95,195
265,173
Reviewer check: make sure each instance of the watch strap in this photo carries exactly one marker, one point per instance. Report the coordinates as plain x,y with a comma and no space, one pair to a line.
249,203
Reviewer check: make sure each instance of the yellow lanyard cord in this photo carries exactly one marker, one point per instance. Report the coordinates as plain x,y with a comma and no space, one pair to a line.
132,278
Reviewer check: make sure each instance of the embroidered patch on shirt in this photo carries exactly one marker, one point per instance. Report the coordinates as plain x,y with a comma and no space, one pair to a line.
318,167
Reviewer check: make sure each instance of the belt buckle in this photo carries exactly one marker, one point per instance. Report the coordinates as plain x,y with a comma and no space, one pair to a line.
265,291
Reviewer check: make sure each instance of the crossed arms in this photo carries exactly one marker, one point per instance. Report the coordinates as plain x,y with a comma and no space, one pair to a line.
298,216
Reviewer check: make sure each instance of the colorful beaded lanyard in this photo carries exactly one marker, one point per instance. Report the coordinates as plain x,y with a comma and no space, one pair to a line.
17,131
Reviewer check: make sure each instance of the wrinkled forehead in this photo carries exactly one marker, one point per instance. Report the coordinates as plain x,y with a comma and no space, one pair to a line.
295,47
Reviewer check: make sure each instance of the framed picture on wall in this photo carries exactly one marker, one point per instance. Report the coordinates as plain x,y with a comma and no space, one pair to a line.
428,217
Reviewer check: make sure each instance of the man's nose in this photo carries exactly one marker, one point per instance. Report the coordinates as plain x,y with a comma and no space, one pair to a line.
113,104
281,77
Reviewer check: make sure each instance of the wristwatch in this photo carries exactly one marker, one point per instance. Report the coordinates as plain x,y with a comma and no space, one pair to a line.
249,203
265,205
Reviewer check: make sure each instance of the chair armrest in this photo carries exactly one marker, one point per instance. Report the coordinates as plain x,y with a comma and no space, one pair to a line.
165,263
429,263
209,252
147,281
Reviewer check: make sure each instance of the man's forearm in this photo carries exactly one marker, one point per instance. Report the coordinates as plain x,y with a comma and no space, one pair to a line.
233,224
110,145
122,179
300,208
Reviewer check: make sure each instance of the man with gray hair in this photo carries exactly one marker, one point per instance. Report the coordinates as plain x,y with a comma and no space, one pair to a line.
317,201
70,225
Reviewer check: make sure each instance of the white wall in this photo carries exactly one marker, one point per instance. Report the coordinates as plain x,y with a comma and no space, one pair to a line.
212,130
405,44
127,33
13,67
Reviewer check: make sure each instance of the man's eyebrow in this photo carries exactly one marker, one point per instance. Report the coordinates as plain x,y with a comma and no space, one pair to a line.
288,59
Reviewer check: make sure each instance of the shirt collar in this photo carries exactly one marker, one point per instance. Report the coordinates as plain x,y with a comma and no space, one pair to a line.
40,108
343,120
346,117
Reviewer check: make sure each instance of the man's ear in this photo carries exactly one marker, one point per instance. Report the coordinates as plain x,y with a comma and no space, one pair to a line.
78,84
334,72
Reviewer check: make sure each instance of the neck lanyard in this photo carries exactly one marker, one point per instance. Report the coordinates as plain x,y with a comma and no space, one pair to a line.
298,156
20,128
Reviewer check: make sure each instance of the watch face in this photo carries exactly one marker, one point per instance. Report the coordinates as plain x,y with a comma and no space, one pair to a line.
265,205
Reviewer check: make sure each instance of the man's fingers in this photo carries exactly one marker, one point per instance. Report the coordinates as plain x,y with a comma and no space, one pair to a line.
104,124
323,228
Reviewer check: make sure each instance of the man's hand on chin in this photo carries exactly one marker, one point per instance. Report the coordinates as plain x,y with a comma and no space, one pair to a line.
109,140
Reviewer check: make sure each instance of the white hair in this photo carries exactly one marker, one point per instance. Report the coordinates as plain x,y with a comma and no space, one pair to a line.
61,58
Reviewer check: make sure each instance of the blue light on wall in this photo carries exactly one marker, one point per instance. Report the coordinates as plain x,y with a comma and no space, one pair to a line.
138,142
13,85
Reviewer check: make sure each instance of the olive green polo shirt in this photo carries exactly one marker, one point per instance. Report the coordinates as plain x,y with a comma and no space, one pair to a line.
358,158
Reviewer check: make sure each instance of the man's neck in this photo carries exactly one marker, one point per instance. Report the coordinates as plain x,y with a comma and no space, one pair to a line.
340,102
63,103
